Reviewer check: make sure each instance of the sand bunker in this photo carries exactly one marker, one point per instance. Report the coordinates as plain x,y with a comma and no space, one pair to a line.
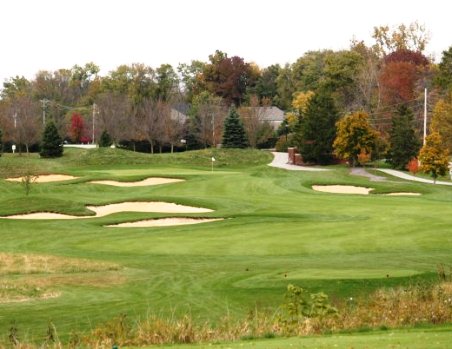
101,211
342,189
45,178
144,182
164,222
403,194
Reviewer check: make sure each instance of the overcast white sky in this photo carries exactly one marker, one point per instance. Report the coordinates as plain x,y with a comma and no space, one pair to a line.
52,34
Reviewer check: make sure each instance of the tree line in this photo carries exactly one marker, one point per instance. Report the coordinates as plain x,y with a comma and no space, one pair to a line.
137,104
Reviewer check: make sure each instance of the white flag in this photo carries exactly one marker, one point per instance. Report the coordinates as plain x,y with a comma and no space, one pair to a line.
213,159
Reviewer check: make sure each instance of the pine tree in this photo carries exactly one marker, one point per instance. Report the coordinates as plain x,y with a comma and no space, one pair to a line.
105,139
51,146
404,144
234,135
434,157
316,131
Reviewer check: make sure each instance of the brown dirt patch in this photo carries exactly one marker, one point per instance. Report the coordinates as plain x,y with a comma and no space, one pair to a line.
143,183
342,189
45,178
164,222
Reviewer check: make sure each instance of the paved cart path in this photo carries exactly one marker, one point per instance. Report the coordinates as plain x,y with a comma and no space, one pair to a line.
280,161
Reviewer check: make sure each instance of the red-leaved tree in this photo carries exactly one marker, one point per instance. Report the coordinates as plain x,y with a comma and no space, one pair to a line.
413,166
77,127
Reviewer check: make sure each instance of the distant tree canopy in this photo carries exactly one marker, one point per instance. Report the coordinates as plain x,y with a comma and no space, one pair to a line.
158,106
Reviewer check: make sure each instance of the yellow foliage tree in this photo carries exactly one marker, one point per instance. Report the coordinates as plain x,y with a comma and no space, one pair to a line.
301,100
434,157
355,136
442,121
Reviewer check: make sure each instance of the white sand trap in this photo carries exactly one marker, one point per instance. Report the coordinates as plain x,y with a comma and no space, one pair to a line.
43,215
144,182
164,222
342,189
403,194
101,211
160,207
45,178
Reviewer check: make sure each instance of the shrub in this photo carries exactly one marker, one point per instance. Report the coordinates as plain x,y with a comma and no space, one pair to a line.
105,139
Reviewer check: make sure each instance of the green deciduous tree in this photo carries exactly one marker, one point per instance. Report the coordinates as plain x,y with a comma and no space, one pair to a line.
234,135
317,129
444,76
266,86
354,134
51,145
434,156
404,143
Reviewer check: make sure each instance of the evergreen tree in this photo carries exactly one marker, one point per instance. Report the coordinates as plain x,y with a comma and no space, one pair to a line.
51,146
404,144
105,139
316,130
234,135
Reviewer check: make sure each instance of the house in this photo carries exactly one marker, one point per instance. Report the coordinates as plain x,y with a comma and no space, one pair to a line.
179,112
273,115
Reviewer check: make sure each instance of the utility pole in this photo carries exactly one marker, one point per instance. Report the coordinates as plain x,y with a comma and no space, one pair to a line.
425,115
213,129
94,113
44,104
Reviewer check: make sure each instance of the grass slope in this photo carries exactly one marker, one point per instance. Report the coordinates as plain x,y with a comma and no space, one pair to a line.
278,231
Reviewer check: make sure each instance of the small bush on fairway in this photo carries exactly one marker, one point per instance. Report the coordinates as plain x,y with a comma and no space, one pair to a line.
27,180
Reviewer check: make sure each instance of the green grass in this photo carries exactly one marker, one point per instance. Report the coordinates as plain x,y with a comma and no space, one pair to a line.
278,231
438,338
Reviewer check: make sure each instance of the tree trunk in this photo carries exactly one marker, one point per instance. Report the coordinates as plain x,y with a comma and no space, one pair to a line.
172,148
26,147
160,148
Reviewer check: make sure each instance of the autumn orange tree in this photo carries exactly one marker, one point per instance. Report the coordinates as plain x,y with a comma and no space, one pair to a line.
413,166
434,157
355,135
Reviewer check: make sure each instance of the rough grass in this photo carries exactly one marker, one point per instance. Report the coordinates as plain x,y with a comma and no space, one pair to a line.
27,277
21,263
